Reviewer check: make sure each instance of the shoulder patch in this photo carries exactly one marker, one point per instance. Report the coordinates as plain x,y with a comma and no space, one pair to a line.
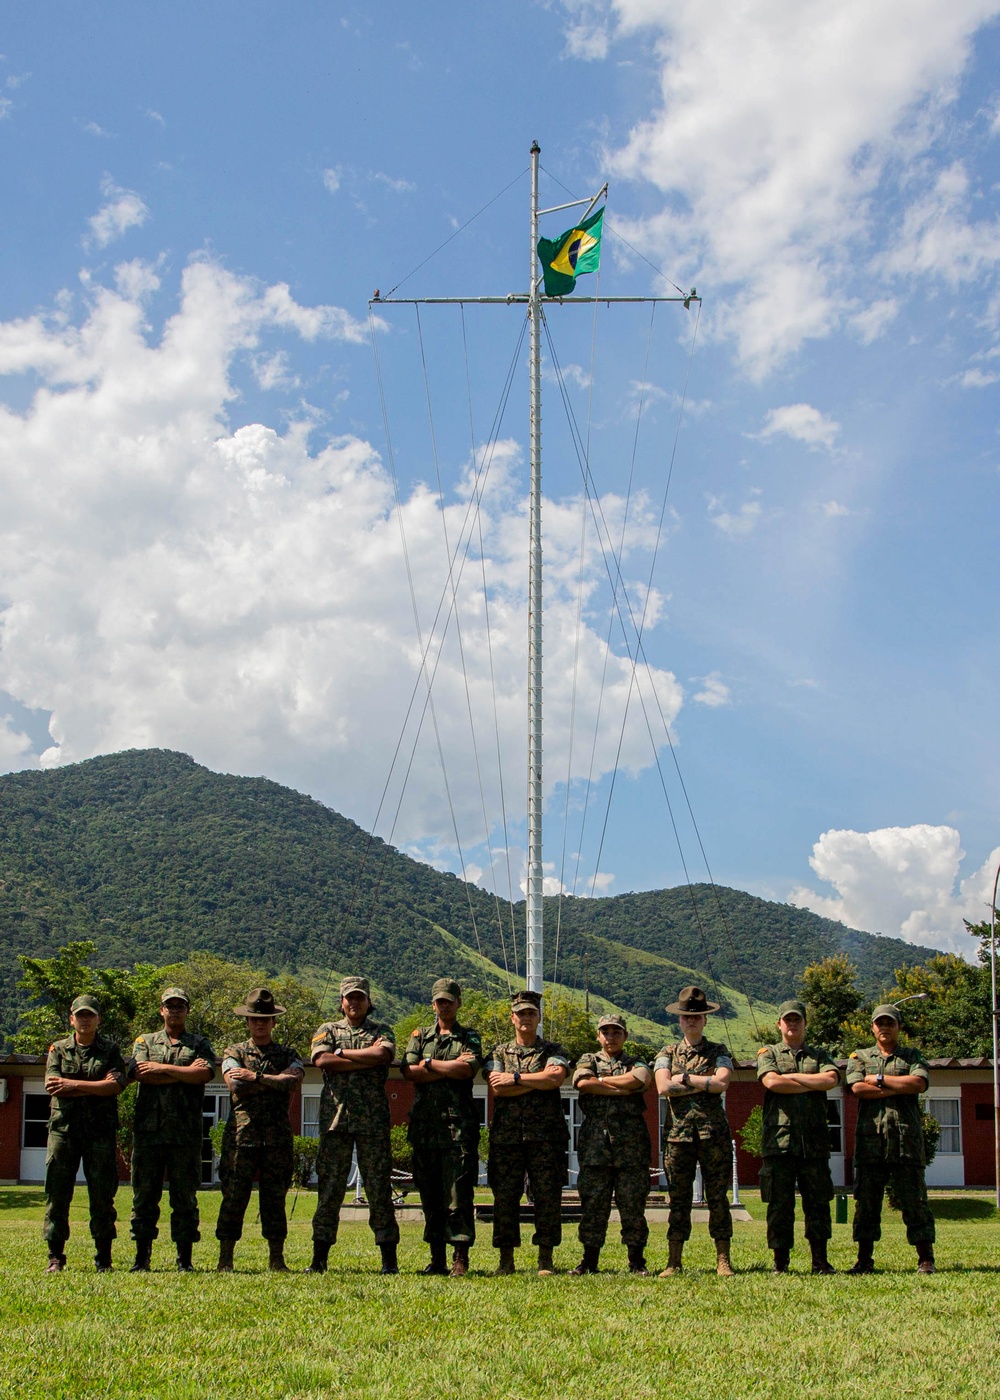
414,1033
854,1055
762,1050
140,1040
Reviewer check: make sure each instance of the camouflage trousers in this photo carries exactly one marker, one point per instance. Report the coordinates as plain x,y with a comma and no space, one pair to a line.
151,1162
237,1169
63,1156
630,1187
778,1179
907,1180
333,1167
446,1179
680,1162
544,1164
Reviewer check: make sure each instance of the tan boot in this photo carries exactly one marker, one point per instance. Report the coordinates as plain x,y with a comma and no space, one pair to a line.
674,1265
506,1265
225,1265
545,1264
460,1261
722,1265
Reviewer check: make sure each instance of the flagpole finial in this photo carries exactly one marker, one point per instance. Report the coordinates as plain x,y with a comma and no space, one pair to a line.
535,148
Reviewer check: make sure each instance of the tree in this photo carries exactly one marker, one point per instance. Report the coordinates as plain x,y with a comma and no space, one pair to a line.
54,983
565,1021
955,1016
215,986
830,990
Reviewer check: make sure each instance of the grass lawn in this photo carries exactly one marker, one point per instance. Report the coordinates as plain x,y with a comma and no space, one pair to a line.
353,1332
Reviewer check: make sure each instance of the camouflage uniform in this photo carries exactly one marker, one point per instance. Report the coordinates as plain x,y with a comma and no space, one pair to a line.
697,1134
889,1147
528,1135
83,1129
168,1131
257,1142
796,1142
444,1134
354,1113
613,1150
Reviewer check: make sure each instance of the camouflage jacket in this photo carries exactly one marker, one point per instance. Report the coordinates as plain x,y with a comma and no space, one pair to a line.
90,1117
259,1118
534,1117
795,1123
889,1130
690,1117
445,1110
170,1113
613,1131
353,1101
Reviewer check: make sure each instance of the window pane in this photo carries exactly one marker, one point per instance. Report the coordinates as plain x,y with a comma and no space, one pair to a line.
36,1120
36,1106
310,1116
947,1113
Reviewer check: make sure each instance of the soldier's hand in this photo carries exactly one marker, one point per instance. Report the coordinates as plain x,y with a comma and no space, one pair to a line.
467,1055
242,1075
500,1079
199,1064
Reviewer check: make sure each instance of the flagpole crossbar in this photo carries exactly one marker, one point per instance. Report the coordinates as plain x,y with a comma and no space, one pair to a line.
575,203
522,297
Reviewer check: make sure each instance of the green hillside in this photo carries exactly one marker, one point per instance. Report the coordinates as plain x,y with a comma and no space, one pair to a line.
155,857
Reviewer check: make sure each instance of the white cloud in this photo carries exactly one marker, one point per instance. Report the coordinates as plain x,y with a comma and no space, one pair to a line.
241,595
735,523
937,239
123,210
15,748
155,116
588,34
398,186
331,179
978,379
136,279
93,129
901,881
6,107
714,691
832,509
803,423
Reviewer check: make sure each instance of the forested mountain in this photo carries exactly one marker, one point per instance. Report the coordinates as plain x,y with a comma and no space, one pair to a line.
155,857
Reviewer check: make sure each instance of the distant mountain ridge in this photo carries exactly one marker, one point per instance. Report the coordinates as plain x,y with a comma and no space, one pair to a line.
154,857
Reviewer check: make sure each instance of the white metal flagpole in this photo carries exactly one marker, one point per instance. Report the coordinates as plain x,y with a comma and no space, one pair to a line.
534,872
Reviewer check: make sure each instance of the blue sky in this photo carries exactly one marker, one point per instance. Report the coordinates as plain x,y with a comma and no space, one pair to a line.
202,544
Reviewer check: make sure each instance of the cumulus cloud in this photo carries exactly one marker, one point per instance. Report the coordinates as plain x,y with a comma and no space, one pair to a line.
901,881
123,209
803,423
714,692
331,179
739,522
241,594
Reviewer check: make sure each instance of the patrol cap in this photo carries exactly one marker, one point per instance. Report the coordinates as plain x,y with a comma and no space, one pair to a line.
174,994
260,1002
355,984
618,1021
526,1001
447,988
692,1001
796,1007
886,1009
85,1003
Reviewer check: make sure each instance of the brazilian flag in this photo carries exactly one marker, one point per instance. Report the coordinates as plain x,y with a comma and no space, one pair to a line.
575,251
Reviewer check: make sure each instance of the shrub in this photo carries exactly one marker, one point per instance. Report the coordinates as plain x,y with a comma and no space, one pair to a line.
305,1150
751,1135
402,1152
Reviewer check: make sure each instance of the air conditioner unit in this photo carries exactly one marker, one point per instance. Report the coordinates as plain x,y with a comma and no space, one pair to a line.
4,1091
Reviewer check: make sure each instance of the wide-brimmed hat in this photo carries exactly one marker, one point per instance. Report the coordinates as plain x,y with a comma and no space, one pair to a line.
692,1001
886,1009
612,1020
526,1001
355,984
85,1003
447,988
260,1002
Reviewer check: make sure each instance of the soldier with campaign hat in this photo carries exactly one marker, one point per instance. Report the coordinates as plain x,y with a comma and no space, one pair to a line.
84,1074
261,1076
692,1074
442,1060
613,1147
528,1134
172,1065
888,1078
354,1054
796,1139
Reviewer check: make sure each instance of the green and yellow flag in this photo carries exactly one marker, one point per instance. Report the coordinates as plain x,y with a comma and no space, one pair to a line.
575,251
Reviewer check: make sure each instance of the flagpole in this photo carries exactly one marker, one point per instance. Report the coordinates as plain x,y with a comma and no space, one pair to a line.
533,904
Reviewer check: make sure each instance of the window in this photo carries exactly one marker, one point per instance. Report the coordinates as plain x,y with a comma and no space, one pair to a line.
214,1109
36,1120
833,1125
310,1115
946,1111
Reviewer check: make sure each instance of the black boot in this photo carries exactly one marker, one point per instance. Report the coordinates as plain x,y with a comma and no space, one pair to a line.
590,1263
439,1260
390,1264
102,1257
184,1265
57,1261
925,1259
637,1260
143,1254
820,1264
321,1252
866,1258
781,1260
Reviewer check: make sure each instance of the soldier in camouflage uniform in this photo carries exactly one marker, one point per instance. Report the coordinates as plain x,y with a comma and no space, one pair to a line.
796,1139
354,1054
84,1073
613,1148
172,1067
442,1060
528,1134
261,1076
692,1075
889,1141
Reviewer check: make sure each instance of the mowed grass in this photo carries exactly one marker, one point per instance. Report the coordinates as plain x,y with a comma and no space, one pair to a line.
352,1332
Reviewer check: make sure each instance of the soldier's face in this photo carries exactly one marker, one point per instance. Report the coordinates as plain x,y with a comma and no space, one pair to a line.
612,1039
886,1031
355,1007
175,1014
446,1010
793,1029
692,1024
261,1028
85,1025
526,1023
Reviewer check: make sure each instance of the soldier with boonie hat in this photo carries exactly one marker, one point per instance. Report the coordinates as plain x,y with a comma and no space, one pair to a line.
442,1060
692,1074
354,1052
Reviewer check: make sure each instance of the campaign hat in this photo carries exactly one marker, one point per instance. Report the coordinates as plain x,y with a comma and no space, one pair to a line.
260,1002
692,1001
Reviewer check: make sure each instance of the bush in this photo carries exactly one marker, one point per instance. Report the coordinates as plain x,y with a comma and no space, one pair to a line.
305,1151
216,1135
126,1121
402,1152
751,1135
484,1144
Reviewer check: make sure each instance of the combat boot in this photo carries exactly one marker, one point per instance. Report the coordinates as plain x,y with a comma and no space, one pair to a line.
102,1257
460,1261
674,1265
321,1253
821,1264
184,1264
866,1259
389,1261
545,1264
723,1267
57,1262
439,1260
225,1265
925,1259
782,1257
143,1255
637,1260
276,1257
506,1265
589,1264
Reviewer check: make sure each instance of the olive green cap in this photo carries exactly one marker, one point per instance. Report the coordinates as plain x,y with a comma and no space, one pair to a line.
797,1007
174,994
618,1021
526,1001
355,984
886,1009
85,1003
447,988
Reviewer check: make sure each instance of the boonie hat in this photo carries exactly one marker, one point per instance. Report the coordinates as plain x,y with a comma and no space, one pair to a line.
618,1021
86,1003
355,984
526,1001
797,1007
174,994
886,1009
447,988
692,1001
260,1002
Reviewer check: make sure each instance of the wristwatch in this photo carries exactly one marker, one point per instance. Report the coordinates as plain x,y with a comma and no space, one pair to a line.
339,1050
685,1080
517,1076
880,1080
427,1062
